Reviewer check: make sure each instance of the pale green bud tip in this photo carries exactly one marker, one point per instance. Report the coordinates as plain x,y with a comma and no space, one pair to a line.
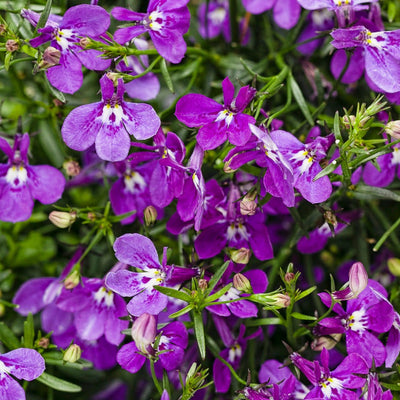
72,280
241,256
394,266
240,282
326,342
144,331
62,219
150,215
73,353
393,129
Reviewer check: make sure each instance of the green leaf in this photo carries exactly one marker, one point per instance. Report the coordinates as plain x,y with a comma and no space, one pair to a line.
58,384
305,293
166,75
364,192
216,277
31,51
327,170
199,332
391,12
55,92
218,294
298,315
44,15
392,386
7,60
8,338
29,331
56,358
177,294
264,321
336,128
50,140
182,311
298,95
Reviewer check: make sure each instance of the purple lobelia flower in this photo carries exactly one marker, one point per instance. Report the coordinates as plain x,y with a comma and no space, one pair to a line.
65,34
213,18
304,159
332,385
235,230
21,183
381,54
393,342
25,364
109,123
278,179
139,252
374,389
218,122
233,353
172,341
365,317
286,12
146,87
344,9
166,21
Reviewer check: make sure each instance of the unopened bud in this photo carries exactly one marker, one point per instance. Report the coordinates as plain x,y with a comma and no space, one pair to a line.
72,280
12,45
91,216
241,256
358,278
58,103
72,168
349,120
51,57
144,331
114,76
393,129
247,206
325,342
43,342
227,167
72,354
62,219
203,284
394,266
289,276
84,42
330,218
282,300
150,215
2,29
240,282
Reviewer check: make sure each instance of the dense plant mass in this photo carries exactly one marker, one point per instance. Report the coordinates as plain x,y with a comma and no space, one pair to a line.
198,199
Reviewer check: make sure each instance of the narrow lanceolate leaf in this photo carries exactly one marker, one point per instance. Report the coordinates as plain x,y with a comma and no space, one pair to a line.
8,338
364,192
305,293
58,384
328,169
298,315
216,277
166,75
44,15
218,294
29,331
199,332
177,294
301,101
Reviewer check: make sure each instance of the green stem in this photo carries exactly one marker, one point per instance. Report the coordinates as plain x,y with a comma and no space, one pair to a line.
233,372
155,380
233,21
386,235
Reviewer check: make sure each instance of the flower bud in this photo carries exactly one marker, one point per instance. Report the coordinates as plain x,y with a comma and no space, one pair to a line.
240,282
393,129
62,219
203,284
349,120
3,28
72,280
394,266
72,168
358,278
289,276
248,205
282,300
144,331
241,256
84,42
325,342
51,57
43,342
150,215
12,45
72,354
227,168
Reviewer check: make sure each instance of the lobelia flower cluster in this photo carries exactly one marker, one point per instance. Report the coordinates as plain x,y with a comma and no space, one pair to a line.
221,220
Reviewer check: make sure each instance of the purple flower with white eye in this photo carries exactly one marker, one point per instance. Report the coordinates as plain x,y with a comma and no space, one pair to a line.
21,184
286,12
381,54
65,34
146,87
304,159
332,385
218,122
172,342
344,9
365,317
278,179
139,252
109,123
25,364
166,21
213,18
234,230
